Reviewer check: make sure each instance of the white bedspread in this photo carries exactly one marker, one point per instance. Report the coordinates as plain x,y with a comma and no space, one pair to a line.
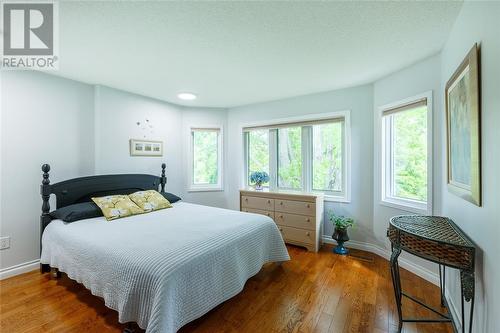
166,268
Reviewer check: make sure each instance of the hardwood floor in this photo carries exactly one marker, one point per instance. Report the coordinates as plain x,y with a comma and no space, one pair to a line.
311,293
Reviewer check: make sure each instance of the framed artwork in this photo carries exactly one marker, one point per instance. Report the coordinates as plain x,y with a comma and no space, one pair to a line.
146,148
463,124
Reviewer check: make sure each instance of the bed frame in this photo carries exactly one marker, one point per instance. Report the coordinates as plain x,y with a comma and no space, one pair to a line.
82,189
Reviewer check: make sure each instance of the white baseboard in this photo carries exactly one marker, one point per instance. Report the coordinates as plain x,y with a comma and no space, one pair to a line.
19,269
423,272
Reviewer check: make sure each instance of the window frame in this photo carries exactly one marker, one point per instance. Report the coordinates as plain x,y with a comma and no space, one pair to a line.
220,146
307,162
387,157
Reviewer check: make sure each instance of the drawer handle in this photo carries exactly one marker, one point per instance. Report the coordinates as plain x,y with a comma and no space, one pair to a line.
268,214
268,201
246,199
308,206
308,233
308,220
281,229
281,202
281,216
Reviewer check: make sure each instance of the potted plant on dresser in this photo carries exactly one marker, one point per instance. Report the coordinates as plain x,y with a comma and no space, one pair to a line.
340,224
258,178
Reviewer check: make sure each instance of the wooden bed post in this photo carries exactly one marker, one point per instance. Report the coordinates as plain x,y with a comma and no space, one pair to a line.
45,217
163,178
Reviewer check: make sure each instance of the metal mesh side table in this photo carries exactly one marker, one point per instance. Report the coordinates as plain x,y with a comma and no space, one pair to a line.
439,240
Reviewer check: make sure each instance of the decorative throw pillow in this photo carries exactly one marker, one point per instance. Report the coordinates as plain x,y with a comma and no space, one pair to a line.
172,198
117,206
76,212
149,200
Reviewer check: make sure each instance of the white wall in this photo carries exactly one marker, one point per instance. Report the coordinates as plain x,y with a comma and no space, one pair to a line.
45,119
116,116
479,22
359,101
200,117
414,80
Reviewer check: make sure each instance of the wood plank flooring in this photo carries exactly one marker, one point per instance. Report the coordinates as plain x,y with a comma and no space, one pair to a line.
319,292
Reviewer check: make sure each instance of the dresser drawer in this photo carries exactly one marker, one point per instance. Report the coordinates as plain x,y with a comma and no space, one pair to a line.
296,221
258,211
297,235
296,207
257,203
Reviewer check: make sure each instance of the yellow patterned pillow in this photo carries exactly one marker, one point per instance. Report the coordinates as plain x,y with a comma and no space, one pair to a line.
117,206
149,200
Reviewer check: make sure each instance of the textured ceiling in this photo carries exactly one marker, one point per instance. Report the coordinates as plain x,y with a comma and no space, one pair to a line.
236,53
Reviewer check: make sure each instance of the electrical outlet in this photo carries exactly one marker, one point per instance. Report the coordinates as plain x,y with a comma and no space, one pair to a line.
4,242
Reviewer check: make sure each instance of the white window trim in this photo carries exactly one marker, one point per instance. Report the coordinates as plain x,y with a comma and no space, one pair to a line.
220,147
346,114
408,205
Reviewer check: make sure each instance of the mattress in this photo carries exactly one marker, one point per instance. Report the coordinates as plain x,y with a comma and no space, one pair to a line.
165,268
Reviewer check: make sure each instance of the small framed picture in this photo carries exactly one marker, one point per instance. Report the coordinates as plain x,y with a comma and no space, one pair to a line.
146,148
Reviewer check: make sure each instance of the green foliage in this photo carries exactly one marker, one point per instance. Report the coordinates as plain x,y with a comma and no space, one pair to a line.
258,152
340,221
327,157
290,157
410,154
205,155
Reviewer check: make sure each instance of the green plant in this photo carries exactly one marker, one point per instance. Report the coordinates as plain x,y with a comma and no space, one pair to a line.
340,221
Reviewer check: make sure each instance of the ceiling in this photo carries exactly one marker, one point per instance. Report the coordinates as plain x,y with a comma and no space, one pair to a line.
237,53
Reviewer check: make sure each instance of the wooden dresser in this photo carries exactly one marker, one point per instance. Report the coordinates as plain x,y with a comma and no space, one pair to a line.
299,216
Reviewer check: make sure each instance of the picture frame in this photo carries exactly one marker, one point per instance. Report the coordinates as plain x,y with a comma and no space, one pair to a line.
463,129
146,148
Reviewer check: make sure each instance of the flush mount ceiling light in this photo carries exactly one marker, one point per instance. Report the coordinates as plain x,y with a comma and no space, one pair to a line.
186,96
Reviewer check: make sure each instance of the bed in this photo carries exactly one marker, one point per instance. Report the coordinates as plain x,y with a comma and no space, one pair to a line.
161,269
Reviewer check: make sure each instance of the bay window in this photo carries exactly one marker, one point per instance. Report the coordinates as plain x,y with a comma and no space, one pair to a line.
306,155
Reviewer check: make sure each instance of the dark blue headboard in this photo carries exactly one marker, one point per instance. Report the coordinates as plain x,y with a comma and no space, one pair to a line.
82,189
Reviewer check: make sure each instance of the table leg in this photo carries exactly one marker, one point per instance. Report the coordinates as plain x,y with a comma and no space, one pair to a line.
471,314
396,282
467,281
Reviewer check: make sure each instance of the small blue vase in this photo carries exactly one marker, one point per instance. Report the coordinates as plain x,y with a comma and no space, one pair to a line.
340,235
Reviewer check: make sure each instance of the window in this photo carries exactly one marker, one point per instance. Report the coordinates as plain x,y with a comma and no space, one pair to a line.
406,159
258,152
307,155
327,157
205,159
290,158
